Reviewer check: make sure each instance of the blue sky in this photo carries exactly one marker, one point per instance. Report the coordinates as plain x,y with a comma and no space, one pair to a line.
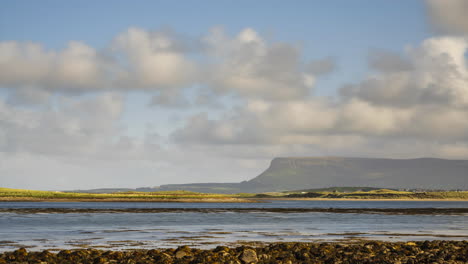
57,22
344,30
260,96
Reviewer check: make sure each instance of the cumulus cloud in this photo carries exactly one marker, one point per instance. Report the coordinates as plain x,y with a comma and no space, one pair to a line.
77,67
434,73
163,64
136,60
250,66
153,60
419,96
81,142
385,61
295,122
449,16
64,108
74,127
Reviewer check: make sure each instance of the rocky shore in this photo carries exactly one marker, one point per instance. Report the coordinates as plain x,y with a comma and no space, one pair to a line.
280,253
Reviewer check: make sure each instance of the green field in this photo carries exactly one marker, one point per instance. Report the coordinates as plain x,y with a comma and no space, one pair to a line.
381,194
19,194
7,194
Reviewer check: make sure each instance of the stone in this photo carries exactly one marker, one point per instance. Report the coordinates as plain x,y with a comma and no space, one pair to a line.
249,256
264,257
284,253
182,252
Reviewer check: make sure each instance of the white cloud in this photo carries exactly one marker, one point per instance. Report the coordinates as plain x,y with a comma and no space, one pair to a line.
249,66
163,64
153,60
436,74
76,68
64,110
420,97
449,16
71,128
136,60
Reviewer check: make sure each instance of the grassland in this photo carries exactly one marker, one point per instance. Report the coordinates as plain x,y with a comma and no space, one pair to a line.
386,194
7,194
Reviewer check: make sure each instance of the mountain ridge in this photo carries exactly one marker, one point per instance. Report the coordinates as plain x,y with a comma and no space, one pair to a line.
296,173
317,172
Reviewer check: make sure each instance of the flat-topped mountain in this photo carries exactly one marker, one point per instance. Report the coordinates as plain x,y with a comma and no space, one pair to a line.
286,174
319,172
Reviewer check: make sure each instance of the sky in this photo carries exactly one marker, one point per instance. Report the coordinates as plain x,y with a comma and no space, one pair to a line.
104,94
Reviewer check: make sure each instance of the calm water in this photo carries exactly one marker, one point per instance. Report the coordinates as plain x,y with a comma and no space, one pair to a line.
207,230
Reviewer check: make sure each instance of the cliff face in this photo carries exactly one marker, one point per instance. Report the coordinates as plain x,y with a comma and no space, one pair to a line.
319,172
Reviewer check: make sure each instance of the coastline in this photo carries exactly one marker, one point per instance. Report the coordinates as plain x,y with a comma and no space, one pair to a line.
398,211
132,200
214,200
437,251
360,199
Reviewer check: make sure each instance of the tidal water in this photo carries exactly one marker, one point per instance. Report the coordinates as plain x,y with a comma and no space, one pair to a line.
54,231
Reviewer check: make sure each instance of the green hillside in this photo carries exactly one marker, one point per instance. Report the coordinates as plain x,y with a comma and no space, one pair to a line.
322,172
317,174
381,194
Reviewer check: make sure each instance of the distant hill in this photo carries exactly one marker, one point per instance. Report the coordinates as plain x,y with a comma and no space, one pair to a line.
113,190
286,174
339,189
321,172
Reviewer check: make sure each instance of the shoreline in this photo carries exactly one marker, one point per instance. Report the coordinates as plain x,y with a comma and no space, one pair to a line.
216,200
436,251
360,199
132,200
389,211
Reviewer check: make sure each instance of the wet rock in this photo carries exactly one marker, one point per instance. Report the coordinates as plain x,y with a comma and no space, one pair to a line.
264,257
284,253
221,248
249,256
164,258
21,252
100,260
183,252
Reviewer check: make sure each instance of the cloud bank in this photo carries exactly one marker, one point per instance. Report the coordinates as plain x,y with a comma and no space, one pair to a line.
162,63
421,96
63,124
448,16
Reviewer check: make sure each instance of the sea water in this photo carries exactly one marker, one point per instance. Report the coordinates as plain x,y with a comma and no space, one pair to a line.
115,231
